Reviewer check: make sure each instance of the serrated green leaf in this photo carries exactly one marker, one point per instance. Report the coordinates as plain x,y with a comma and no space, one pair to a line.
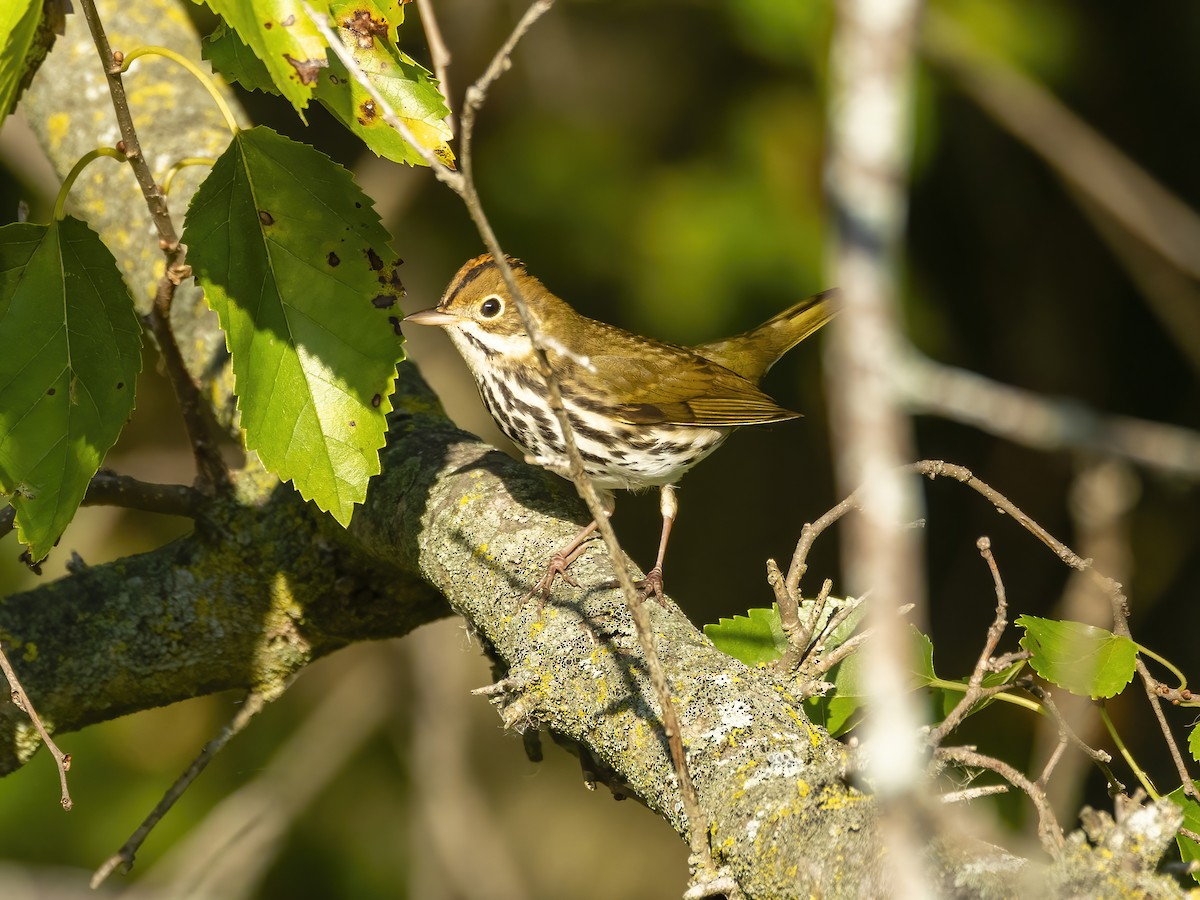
1083,659
754,638
413,93
18,27
71,355
1194,742
283,37
1188,849
293,259
369,31
230,56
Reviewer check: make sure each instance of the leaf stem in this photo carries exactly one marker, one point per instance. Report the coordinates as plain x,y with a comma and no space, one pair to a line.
1141,776
60,201
182,164
1166,664
194,70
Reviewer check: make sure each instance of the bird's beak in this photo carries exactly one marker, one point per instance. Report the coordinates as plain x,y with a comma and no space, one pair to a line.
431,317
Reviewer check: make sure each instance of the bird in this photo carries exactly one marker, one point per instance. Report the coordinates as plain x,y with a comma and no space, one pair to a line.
642,411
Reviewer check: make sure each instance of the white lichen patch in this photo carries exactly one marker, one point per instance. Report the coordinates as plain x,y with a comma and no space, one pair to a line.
780,764
733,715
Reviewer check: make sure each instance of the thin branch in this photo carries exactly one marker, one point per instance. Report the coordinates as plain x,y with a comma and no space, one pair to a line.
995,632
23,703
1080,156
975,793
211,470
1117,600
123,858
463,184
438,51
1067,734
1049,831
107,488
1027,418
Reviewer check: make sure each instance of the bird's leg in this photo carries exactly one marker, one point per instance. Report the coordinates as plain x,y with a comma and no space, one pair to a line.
653,582
561,561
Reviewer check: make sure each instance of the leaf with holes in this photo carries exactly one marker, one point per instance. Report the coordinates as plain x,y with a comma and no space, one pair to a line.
293,259
72,352
409,88
368,31
1086,660
283,37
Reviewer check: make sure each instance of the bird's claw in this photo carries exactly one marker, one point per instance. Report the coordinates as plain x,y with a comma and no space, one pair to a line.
651,584
556,568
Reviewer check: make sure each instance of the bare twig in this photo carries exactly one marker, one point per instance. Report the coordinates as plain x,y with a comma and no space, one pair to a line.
23,703
1043,423
1049,831
110,489
975,685
975,793
1080,155
1068,734
462,183
123,858
211,470
439,53
826,661
107,488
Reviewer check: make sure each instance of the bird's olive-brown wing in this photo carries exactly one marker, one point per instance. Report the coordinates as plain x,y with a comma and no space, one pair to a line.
660,384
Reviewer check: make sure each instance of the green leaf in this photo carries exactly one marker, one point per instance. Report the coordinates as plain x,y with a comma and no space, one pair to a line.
230,56
71,355
410,89
847,696
1188,849
18,27
1194,742
283,37
292,257
1085,660
754,638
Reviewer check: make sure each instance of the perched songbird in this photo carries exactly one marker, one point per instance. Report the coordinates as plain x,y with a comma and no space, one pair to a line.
643,412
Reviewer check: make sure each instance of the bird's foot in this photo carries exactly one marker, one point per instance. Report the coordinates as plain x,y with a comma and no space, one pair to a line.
556,568
651,584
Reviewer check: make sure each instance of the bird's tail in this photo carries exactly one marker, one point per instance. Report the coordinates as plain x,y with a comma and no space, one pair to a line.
753,353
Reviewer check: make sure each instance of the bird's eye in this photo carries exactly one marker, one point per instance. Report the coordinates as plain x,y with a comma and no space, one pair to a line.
491,306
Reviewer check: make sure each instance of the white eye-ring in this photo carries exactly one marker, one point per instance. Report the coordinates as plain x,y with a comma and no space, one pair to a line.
491,306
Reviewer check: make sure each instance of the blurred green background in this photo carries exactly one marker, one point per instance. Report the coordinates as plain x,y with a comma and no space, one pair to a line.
658,165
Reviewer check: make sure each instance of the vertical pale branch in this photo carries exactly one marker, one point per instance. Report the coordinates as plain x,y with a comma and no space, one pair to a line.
866,174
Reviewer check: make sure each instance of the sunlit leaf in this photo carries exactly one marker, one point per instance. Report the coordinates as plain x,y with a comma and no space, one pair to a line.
294,260
1083,659
71,354
283,37
754,638
1194,742
368,30
409,88
18,27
